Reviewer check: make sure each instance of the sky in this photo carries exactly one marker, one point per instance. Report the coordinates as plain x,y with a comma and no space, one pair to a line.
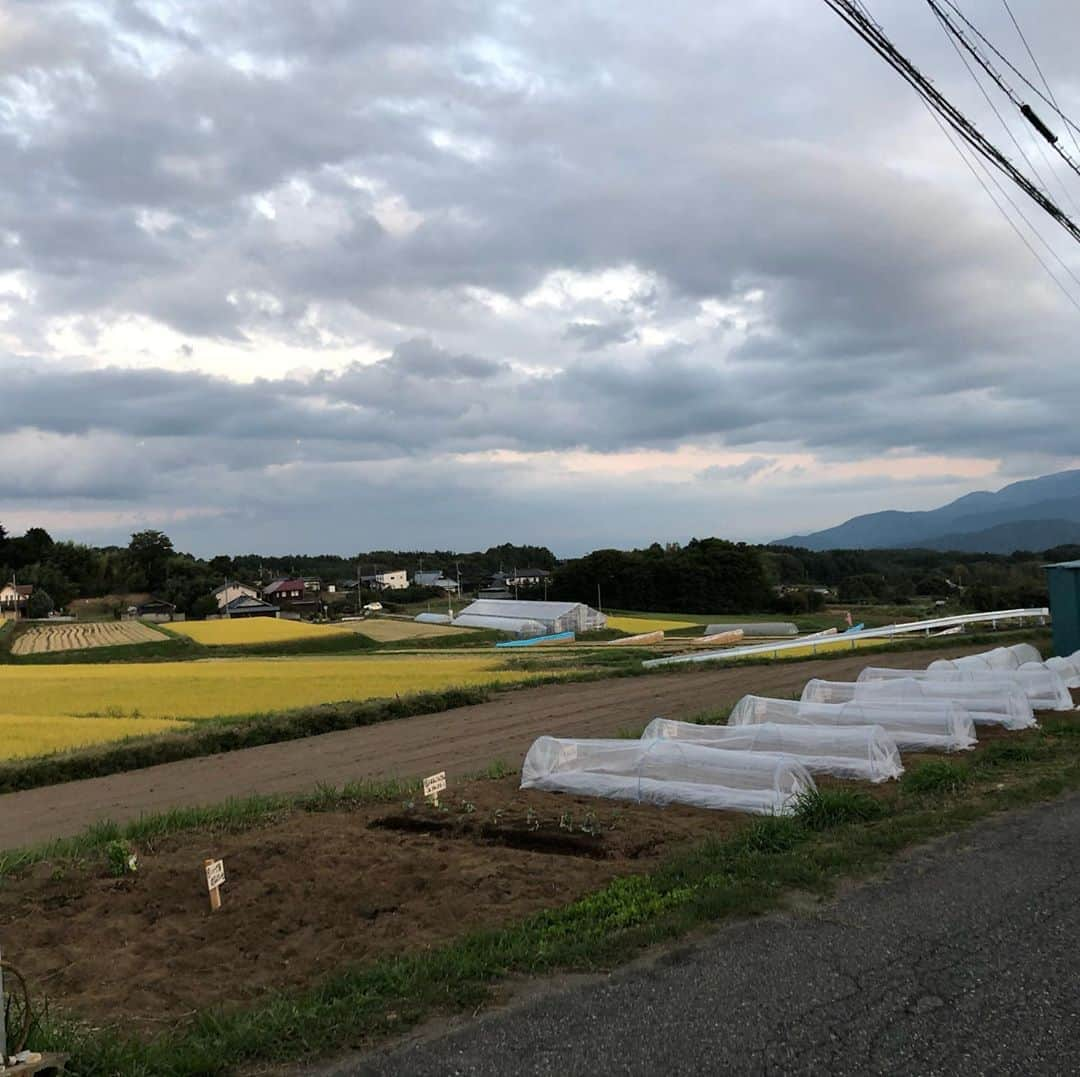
328,276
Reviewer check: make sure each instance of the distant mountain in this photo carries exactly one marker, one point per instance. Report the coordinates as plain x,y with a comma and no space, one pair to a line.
1032,515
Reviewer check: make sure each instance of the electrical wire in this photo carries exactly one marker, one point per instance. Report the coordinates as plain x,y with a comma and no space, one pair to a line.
1070,127
867,29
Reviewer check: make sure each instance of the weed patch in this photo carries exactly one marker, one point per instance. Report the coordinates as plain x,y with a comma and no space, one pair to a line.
825,808
936,776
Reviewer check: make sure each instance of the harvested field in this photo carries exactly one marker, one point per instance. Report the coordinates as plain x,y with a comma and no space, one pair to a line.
459,741
43,639
383,630
307,894
232,686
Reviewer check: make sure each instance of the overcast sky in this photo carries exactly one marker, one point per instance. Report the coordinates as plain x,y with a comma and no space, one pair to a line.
321,275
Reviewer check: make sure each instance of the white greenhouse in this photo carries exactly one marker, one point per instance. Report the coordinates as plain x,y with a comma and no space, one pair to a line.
1045,690
997,703
926,725
859,751
667,772
551,617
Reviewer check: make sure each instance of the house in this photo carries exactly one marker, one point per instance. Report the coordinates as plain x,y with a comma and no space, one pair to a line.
435,579
313,585
151,609
248,606
394,580
14,597
230,590
527,577
291,590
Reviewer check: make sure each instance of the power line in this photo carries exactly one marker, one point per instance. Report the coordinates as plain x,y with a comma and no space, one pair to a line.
875,37
1025,109
1053,100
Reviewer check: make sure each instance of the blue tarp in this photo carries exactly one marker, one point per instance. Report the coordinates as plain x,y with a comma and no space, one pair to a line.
557,638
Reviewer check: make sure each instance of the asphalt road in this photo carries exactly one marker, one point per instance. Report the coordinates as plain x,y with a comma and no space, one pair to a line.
965,959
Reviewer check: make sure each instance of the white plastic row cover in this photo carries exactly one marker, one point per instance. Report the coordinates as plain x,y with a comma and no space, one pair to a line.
861,752
1067,668
919,726
1045,690
663,771
994,703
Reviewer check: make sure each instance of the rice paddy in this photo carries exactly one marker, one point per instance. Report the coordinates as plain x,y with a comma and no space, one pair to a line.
248,630
233,686
636,625
73,636
24,735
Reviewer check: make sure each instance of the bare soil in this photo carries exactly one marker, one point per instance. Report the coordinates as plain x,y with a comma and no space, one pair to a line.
461,742
311,893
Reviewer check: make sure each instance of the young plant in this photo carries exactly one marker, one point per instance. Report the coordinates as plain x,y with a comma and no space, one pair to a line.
121,858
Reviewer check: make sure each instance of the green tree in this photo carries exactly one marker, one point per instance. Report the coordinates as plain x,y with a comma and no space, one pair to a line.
40,604
150,551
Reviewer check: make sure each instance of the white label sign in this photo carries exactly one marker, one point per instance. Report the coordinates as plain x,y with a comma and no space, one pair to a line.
434,785
215,874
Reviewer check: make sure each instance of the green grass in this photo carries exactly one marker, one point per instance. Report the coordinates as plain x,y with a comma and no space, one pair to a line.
825,808
936,776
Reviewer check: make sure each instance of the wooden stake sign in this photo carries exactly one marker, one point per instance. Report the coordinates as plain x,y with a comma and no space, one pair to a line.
434,785
215,876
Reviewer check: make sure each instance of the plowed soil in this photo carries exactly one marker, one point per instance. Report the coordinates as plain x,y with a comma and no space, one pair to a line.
461,741
312,893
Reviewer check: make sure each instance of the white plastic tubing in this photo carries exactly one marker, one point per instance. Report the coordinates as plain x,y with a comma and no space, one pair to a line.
860,751
1000,703
851,639
663,771
920,726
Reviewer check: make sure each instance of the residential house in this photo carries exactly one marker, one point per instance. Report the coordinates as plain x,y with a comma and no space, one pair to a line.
394,580
248,606
312,585
14,597
230,590
290,590
435,579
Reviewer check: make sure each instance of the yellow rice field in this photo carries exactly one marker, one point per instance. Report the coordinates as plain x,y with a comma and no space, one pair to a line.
25,735
636,625
246,630
232,686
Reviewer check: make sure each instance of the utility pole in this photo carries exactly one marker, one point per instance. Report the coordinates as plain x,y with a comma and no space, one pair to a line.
599,604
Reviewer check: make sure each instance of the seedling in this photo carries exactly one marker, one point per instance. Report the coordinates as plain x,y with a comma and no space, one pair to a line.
589,824
532,820
566,821
122,859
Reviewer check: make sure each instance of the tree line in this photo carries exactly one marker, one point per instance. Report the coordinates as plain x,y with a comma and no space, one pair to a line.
707,575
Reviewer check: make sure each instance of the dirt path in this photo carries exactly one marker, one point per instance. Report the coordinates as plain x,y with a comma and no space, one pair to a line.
458,741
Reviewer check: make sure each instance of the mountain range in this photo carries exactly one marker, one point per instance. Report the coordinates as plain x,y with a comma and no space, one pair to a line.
1035,514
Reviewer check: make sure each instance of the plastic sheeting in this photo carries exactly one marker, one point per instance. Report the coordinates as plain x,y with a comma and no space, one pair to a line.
1045,690
663,771
432,618
926,725
1026,652
858,751
1068,669
767,629
995,703
516,626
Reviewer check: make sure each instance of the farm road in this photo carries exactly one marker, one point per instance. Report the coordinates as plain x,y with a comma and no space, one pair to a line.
962,961
460,741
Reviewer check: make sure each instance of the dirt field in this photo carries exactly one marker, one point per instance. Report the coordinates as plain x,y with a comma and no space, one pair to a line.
314,892
76,637
383,630
461,741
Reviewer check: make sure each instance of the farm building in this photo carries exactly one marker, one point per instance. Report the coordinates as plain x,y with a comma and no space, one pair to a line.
435,579
527,577
530,618
151,609
246,606
394,580
230,590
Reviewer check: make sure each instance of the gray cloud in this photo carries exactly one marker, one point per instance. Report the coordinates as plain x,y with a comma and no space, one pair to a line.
557,228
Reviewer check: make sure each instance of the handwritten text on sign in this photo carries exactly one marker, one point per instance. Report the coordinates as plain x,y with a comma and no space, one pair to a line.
434,785
215,874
